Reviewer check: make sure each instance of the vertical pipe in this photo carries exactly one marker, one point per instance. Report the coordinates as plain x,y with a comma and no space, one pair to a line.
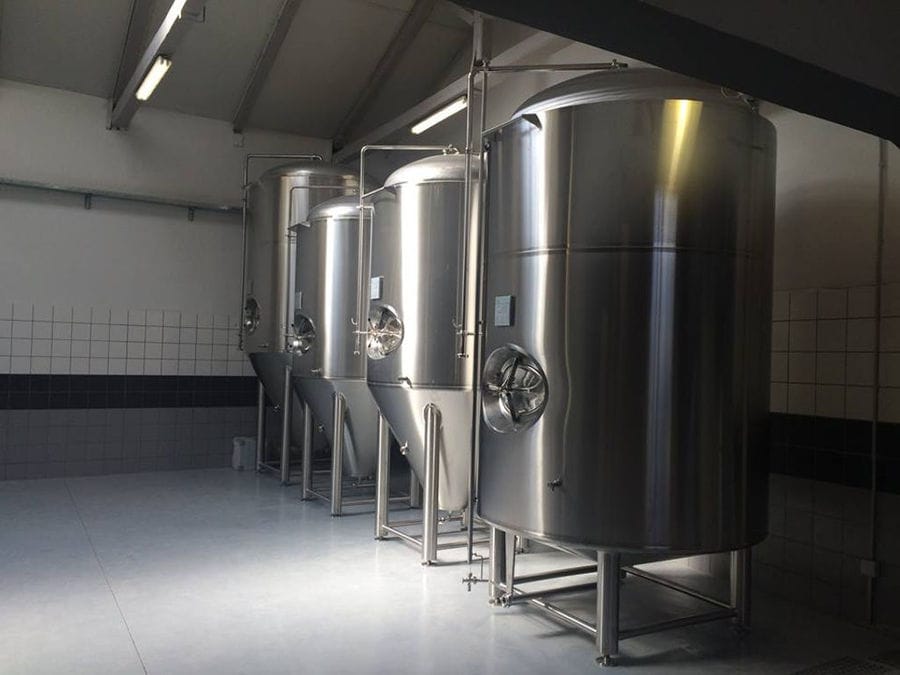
876,374
415,490
607,606
430,513
383,477
497,568
260,424
337,456
740,586
287,400
306,483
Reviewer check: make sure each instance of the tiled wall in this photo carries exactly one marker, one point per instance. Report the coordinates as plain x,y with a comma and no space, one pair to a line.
88,390
101,340
823,403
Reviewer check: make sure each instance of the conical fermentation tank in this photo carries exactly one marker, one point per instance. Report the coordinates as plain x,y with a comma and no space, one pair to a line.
329,350
279,199
422,298
628,301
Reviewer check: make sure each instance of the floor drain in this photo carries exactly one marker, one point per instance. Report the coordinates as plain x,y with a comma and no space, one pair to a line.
845,666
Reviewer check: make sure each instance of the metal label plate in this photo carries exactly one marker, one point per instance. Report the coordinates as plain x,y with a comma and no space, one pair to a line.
504,310
376,286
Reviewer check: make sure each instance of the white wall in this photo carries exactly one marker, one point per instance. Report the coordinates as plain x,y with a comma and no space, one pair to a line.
121,255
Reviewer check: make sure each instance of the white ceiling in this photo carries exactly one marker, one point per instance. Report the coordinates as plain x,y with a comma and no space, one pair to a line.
330,51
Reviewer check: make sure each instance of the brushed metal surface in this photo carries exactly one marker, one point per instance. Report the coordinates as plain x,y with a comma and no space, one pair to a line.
635,235
326,273
417,248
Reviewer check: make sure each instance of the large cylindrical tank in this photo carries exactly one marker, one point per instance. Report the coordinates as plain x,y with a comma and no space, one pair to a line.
279,199
329,357
421,301
628,300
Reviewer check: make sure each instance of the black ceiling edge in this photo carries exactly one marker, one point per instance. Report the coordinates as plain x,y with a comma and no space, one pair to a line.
635,29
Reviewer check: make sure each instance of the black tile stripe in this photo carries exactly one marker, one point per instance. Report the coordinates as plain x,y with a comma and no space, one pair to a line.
835,450
42,392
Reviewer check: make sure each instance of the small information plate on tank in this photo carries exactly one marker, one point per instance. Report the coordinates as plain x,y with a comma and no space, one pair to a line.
376,285
504,310
298,300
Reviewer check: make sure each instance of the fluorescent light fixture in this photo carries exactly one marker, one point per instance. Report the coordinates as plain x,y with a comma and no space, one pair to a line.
159,68
440,115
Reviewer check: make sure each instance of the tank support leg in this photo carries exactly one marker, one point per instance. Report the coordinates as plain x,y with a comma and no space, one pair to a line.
286,428
383,477
608,565
306,483
260,425
415,490
497,568
430,499
337,456
740,587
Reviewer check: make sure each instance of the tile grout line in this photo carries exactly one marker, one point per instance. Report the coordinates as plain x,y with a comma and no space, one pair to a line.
105,577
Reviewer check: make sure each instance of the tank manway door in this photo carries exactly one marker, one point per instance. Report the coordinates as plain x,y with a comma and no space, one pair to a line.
304,334
514,391
251,315
385,332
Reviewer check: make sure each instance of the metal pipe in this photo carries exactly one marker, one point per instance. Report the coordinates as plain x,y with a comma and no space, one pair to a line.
337,455
554,67
565,616
876,368
675,586
740,587
523,596
306,483
260,424
607,605
715,615
555,574
432,467
383,477
287,404
415,490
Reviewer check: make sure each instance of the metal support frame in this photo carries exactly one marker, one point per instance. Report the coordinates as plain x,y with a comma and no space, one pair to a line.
504,590
172,28
286,405
264,62
337,454
430,498
306,481
260,424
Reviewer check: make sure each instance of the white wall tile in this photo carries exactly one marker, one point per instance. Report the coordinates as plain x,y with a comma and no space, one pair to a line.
188,336
20,364
81,331
153,350
61,348
6,310
23,311
185,367
830,401
134,366
889,405
171,318
890,299
204,351
135,350
170,351
99,366
152,367
861,301
171,335
859,403
62,313
153,334
81,349
101,315
62,331
60,365
99,349
118,317
889,367
203,368
154,317
188,320
830,368
860,368
781,305
204,336
801,399
890,334
204,320
40,365
219,368
22,329
99,331
831,335
5,328
5,347
220,352
803,336
778,397
780,336
81,366
136,333
803,304
42,330
117,350
117,366
81,314
5,366
220,321
43,313
41,347
187,351
137,317
21,347
235,368
832,303
118,333
860,335
169,367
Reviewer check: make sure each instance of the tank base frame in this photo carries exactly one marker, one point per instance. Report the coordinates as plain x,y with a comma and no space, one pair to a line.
505,589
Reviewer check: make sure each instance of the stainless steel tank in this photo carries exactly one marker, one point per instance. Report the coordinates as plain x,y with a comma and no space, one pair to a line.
329,356
421,297
279,199
628,291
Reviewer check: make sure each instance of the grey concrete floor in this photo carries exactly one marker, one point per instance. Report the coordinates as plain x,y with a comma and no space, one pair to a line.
217,571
